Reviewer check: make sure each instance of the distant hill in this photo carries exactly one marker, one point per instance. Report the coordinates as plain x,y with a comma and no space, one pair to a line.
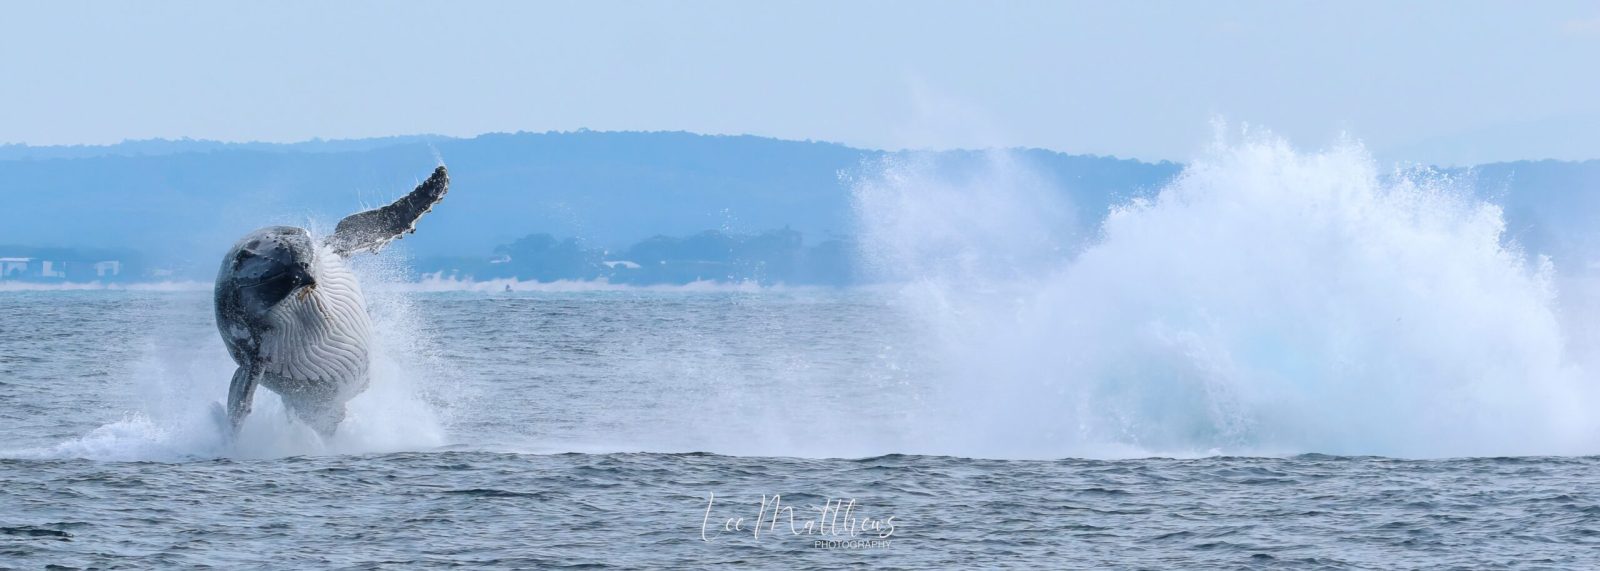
1551,207
186,201
154,147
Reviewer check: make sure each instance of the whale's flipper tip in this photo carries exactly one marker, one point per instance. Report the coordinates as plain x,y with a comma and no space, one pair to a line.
371,230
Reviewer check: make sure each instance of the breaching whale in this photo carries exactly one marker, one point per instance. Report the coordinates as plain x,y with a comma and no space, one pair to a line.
292,314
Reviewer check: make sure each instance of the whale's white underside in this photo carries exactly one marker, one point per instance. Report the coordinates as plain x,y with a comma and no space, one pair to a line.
320,335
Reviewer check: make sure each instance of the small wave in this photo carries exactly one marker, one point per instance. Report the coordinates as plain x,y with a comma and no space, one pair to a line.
36,532
495,493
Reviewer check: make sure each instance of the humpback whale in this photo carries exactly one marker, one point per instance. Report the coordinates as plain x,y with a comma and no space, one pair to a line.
292,314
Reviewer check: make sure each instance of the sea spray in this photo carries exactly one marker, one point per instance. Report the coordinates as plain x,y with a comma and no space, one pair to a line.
176,385
409,401
415,393
1266,301
991,221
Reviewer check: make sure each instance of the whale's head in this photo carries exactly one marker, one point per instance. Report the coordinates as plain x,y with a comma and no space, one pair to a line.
266,267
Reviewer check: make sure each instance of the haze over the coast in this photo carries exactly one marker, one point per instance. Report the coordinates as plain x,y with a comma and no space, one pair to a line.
1438,82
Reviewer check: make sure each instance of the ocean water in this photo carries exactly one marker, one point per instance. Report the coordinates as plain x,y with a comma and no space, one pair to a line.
1281,359
626,428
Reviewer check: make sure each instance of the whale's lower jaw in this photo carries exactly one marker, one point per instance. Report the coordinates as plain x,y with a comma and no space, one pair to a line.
318,339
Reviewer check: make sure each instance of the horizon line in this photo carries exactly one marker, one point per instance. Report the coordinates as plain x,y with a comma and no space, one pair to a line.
424,137
401,139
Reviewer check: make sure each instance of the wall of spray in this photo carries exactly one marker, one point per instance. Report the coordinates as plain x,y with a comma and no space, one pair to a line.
1269,300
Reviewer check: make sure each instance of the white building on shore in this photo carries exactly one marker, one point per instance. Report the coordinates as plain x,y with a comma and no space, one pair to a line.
14,267
30,268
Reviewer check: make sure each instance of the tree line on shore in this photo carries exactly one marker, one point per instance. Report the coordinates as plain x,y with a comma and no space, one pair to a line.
771,257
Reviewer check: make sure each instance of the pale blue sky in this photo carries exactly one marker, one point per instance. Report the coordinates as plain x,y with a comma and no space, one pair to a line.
1446,82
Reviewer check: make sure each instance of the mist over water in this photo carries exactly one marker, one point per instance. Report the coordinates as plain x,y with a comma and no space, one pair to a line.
1268,301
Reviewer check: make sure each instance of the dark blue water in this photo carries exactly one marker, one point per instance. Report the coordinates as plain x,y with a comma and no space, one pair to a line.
649,510
645,429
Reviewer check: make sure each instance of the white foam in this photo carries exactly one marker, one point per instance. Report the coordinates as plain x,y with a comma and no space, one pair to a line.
1267,301
176,393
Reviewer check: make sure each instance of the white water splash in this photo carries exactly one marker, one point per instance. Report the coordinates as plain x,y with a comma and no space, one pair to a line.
1267,301
177,391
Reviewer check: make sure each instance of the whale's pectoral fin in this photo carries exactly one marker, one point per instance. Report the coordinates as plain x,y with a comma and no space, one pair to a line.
373,229
240,392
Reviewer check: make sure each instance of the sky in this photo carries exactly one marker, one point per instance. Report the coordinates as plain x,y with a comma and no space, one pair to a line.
1455,82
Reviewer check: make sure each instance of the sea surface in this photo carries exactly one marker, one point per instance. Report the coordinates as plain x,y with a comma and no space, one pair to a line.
689,427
